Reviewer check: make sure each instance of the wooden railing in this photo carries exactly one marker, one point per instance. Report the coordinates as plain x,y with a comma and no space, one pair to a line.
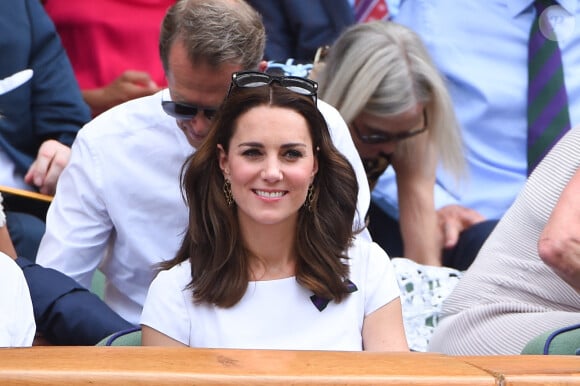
179,366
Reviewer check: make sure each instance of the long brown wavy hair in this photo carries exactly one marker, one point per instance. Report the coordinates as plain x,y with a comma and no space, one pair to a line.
213,243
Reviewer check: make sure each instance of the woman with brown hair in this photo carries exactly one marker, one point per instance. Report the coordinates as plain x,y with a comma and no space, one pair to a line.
270,259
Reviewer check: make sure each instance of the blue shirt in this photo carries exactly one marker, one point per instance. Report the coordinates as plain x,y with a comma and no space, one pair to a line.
481,49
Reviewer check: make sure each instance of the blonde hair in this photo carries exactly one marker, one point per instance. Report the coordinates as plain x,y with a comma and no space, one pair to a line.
383,69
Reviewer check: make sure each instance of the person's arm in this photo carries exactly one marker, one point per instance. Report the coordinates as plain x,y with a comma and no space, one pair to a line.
385,194
383,330
47,167
559,243
6,245
152,337
58,110
129,85
67,313
454,219
418,221
415,171
78,225
165,320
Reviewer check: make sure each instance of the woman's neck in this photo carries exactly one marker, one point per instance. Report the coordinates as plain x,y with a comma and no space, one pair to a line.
271,248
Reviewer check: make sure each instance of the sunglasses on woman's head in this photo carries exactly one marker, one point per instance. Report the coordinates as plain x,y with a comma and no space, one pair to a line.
249,79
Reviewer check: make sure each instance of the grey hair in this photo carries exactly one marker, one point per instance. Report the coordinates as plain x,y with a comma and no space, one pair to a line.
382,68
215,32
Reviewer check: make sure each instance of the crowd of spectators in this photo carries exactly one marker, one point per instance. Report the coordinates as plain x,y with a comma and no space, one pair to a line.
178,147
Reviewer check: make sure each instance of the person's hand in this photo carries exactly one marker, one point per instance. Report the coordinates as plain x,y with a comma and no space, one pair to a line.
44,172
453,219
559,245
129,85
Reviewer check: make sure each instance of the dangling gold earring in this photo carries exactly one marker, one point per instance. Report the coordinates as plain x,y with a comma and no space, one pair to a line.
309,198
228,192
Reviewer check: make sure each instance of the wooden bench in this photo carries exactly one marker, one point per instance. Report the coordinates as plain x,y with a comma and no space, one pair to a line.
49,365
530,369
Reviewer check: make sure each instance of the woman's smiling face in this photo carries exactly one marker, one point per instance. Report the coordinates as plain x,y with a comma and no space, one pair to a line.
270,164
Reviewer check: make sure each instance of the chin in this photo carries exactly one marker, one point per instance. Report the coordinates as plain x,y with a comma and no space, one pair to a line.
196,143
272,218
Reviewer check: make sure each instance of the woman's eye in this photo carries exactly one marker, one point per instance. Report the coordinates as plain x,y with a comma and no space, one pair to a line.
293,154
252,153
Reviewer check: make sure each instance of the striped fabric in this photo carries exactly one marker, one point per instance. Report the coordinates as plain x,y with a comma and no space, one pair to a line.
548,116
368,10
508,295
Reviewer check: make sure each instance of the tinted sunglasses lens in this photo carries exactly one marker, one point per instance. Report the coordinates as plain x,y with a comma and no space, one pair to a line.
209,113
260,79
252,80
185,112
179,111
299,86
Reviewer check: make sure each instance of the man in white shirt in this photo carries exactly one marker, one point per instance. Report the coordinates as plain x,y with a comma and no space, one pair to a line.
118,205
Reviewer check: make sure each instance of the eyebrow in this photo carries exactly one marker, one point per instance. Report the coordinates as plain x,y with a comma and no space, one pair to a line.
284,146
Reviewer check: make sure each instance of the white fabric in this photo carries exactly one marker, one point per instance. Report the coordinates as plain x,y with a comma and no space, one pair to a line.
508,296
424,288
275,314
118,204
8,174
17,327
2,214
15,80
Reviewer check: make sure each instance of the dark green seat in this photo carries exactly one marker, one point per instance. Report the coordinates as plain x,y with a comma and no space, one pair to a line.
98,284
561,341
130,337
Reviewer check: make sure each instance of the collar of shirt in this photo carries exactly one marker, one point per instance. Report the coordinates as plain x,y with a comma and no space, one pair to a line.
516,7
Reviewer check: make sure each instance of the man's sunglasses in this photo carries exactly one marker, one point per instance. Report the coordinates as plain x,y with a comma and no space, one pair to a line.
185,112
378,138
249,79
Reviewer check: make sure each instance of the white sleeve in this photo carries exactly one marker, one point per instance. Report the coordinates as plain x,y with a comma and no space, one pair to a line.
381,283
165,308
77,223
343,142
17,327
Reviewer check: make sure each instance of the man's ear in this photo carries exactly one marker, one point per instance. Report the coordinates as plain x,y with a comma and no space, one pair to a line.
263,66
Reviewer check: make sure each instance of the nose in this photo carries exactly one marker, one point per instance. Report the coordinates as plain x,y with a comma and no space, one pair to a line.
199,124
388,147
272,171
378,150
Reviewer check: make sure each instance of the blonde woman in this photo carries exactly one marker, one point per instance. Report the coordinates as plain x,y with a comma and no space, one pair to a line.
381,79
